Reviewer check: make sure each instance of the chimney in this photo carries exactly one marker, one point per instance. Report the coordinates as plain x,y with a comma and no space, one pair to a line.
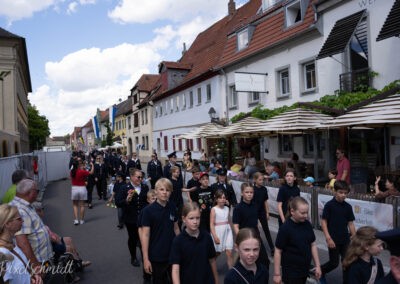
184,48
231,7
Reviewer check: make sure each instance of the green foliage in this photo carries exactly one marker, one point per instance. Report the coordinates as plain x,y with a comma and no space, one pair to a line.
110,135
342,101
38,126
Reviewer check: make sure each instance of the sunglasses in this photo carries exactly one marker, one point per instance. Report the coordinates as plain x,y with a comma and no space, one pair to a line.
139,177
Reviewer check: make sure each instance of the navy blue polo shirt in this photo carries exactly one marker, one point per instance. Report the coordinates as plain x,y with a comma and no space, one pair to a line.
260,196
295,239
285,194
246,215
193,255
338,215
260,277
161,222
176,195
360,271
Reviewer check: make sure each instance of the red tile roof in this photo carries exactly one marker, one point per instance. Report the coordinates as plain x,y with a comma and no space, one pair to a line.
176,65
216,47
146,82
270,31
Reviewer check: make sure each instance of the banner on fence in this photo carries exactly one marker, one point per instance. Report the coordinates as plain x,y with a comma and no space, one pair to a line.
366,213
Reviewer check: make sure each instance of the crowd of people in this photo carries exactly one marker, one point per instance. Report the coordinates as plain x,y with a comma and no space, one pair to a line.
181,229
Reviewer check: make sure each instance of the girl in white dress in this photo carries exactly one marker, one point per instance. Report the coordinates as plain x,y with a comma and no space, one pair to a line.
220,227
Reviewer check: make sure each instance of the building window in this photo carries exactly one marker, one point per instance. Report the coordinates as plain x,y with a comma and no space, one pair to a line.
183,101
309,147
254,98
284,83
165,143
285,144
208,92
161,110
190,99
143,140
293,13
156,111
310,82
180,144
135,99
242,39
198,96
177,103
145,116
136,120
129,122
172,106
266,4
147,143
136,141
142,114
232,97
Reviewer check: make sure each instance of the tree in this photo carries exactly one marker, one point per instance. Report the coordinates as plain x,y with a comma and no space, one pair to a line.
38,126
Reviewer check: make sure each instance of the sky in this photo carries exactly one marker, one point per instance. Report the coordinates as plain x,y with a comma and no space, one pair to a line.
88,54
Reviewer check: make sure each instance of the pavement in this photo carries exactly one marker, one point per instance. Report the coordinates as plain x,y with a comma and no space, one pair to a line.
100,241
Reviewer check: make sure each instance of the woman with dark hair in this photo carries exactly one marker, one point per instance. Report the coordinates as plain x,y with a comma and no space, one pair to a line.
79,193
286,192
391,186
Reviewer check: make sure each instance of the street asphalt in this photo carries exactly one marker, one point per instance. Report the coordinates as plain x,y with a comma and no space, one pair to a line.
100,241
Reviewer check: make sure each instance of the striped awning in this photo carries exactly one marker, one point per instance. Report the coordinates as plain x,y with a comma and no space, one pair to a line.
375,114
296,120
207,130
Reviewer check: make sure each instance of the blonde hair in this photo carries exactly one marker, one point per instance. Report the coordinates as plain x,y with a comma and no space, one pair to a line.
189,207
151,193
164,182
7,213
365,236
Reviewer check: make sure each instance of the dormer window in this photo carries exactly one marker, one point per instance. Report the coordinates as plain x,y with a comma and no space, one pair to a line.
244,37
266,4
294,12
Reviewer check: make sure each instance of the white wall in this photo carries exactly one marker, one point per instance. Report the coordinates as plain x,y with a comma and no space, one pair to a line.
185,120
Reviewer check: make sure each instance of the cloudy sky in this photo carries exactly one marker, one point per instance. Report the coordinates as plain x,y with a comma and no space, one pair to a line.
88,54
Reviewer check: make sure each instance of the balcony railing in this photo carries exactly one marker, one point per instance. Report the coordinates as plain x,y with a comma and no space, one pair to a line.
356,80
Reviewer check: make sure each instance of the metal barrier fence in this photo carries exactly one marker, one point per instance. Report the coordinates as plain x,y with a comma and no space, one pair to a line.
383,215
52,166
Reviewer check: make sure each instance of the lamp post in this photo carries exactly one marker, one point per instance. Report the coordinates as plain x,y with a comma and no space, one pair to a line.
214,118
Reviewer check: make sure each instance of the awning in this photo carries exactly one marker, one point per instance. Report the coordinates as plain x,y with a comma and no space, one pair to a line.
204,131
391,27
340,35
296,120
375,114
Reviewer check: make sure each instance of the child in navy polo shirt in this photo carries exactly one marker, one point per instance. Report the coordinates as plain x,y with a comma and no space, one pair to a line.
286,192
193,255
203,196
261,199
245,215
159,227
337,221
295,246
247,270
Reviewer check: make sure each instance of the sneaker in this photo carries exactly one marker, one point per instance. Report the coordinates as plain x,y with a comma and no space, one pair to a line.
81,222
90,206
76,222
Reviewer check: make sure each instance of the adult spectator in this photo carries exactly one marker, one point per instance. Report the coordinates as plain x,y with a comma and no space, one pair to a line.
342,166
249,164
154,170
134,163
18,270
391,186
293,163
132,199
391,238
16,177
271,174
33,238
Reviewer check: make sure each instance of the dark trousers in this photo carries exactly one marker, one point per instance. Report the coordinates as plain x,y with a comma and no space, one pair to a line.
300,280
264,223
133,238
89,189
161,272
120,213
101,186
334,255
